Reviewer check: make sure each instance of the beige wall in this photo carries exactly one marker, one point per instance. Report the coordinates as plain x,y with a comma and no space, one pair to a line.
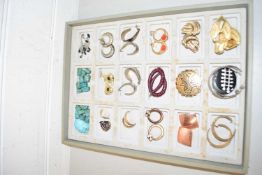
86,162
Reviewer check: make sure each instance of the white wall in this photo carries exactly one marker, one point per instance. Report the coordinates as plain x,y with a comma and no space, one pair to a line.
31,57
31,48
86,162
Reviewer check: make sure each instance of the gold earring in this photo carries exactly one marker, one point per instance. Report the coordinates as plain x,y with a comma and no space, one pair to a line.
159,41
155,138
148,115
108,78
109,82
108,89
224,141
125,121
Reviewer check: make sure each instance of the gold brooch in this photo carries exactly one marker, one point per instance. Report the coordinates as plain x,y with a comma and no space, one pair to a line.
224,36
190,39
188,83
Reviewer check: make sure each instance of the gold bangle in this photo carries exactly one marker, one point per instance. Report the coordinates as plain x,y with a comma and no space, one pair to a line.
148,114
125,121
151,137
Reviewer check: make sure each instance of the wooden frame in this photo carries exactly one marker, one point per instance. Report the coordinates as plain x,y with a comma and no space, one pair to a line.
156,157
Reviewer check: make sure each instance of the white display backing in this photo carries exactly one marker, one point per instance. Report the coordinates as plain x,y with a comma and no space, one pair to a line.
175,60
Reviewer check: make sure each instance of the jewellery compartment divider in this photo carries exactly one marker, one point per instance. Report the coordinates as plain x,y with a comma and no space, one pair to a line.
150,86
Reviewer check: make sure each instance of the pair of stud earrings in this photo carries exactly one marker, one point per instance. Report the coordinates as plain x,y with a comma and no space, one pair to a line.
109,83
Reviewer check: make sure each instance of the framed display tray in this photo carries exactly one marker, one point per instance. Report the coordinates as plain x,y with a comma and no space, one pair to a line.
170,86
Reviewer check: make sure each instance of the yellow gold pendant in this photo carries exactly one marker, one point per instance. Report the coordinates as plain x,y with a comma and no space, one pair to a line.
224,36
188,83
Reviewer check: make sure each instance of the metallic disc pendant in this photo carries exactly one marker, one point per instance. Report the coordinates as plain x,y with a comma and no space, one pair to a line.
105,125
188,83
223,82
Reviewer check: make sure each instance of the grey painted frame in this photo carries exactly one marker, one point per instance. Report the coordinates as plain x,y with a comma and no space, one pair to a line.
155,157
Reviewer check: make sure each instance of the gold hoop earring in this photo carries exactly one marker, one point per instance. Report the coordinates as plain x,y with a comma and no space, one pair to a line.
155,138
159,41
225,141
107,44
148,115
164,36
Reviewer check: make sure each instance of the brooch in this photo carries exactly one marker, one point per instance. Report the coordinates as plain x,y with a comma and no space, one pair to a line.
85,45
224,36
190,39
223,81
188,83
188,122
105,124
